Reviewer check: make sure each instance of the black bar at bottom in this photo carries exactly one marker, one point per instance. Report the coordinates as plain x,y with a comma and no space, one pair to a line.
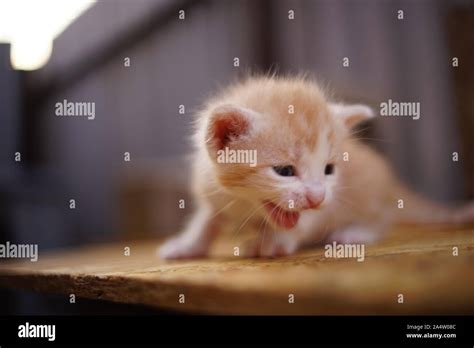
134,330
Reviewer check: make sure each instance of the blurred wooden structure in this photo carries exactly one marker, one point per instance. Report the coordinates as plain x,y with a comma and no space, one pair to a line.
416,262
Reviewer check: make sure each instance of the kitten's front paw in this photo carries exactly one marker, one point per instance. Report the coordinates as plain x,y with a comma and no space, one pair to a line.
273,245
181,247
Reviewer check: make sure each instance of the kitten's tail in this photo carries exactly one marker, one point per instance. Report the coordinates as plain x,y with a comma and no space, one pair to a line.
417,209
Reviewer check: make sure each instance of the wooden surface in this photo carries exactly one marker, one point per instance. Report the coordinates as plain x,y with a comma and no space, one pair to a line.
413,261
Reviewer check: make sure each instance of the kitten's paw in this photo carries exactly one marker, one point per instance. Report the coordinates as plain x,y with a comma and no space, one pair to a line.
181,247
274,245
354,235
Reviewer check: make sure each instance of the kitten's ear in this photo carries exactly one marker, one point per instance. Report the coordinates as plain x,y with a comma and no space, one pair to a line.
228,123
351,115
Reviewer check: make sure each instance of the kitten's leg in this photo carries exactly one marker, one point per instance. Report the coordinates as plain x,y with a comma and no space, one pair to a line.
272,244
356,234
196,238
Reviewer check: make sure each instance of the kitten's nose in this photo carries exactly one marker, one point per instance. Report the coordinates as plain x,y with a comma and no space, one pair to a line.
315,197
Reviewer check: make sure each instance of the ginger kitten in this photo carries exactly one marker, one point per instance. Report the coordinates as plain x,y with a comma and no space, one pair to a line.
311,181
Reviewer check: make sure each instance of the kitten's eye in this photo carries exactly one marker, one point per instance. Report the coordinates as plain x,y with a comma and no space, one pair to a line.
284,170
329,170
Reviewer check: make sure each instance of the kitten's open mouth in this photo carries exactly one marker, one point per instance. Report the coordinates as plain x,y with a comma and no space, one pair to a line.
283,218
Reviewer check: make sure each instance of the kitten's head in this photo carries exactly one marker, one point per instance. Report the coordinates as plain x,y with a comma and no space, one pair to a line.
276,143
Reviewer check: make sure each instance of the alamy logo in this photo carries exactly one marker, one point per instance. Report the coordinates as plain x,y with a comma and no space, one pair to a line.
67,108
37,331
237,156
391,108
335,250
20,251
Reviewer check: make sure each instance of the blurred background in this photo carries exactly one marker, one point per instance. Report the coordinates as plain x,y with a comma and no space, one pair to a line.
148,64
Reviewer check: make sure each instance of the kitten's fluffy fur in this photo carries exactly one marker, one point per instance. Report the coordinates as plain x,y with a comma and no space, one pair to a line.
353,204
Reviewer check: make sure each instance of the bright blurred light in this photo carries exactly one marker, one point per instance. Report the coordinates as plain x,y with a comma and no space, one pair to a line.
30,26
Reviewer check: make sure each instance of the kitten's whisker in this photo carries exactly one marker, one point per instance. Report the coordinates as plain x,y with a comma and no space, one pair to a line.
208,194
264,221
252,213
357,131
280,213
223,208
341,200
376,139
266,218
